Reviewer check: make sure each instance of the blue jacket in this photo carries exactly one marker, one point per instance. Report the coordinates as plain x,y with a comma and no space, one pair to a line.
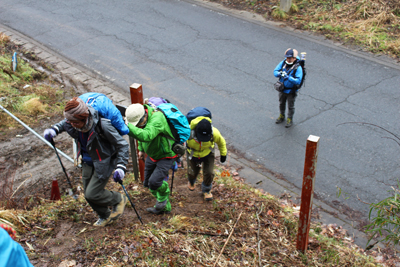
292,80
11,253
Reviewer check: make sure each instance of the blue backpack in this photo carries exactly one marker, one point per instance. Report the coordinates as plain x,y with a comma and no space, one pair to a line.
106,109
197,112
177,122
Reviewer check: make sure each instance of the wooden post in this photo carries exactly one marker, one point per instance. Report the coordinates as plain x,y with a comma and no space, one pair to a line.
307,192
285,5
136,98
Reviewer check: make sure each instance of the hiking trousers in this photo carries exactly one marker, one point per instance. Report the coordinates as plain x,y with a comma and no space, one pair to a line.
154,174
289,98
208,172
95,194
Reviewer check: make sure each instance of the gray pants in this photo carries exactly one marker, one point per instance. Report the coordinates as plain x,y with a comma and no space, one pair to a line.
208,172
290,98
155,172
98,197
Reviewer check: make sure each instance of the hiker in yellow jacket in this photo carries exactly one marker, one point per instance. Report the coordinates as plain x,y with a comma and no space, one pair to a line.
200,148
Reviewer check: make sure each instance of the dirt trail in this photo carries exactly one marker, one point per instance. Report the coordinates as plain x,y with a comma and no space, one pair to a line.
70,240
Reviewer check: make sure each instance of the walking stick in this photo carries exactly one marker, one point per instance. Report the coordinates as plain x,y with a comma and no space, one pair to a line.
133,205
172,179
70,191
174,168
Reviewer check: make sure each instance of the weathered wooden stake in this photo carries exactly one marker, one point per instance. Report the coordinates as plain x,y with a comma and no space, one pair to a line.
307,192
285,5
136,98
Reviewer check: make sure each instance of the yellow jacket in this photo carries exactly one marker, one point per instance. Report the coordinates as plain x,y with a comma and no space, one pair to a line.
202,149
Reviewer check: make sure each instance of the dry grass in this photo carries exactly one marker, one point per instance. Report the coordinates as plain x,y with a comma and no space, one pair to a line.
371,24
4,38
34,106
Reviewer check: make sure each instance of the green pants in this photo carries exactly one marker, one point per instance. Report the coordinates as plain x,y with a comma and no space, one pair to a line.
162,194
95,194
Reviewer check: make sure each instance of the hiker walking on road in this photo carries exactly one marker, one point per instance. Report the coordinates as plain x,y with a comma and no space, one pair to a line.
103,150
150,128
290,73
200,148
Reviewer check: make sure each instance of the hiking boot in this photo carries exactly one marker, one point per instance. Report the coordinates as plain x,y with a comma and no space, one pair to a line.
156,211
289,122
101,222
161,205
280,119
191,186
119,208
208,196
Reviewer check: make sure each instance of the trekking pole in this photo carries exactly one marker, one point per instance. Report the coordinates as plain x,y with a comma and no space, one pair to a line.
133,205
174,167
172,179
70,191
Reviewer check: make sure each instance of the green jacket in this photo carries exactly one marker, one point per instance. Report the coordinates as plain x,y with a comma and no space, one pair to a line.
151,138
201,149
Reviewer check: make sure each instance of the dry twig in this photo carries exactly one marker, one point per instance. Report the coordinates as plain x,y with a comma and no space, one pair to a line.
258,235
215,264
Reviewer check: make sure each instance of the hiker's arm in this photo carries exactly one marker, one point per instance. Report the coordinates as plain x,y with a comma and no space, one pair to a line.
59,127
220,140
140,147
146,134
278,69
296,79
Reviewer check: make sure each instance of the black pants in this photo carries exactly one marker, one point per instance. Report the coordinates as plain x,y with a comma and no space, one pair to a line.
290,98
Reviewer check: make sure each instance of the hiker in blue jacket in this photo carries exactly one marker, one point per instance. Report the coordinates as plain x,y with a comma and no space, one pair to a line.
290,73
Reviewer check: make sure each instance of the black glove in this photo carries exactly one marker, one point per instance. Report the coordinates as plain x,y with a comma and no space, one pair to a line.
223,159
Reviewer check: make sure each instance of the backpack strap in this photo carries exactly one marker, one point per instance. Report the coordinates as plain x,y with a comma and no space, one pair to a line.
99,128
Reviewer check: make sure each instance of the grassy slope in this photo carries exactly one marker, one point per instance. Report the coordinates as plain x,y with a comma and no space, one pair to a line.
27,93
372,24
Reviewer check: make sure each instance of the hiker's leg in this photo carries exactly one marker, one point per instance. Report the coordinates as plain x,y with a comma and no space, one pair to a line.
95,193
291,98
87,172
282,103
208,173
148,170
193,170
162,195
160,188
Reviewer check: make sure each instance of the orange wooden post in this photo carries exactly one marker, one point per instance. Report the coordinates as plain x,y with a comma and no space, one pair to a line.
55,190
307,192
136,98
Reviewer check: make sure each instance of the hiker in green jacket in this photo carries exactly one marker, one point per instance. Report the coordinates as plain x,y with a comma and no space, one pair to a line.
150,128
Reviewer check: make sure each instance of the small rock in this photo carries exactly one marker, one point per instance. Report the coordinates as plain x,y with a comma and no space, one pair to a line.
67,263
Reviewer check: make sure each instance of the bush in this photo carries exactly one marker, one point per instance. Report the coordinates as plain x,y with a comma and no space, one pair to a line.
387,221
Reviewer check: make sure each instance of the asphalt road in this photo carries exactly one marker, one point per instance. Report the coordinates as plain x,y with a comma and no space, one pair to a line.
197,56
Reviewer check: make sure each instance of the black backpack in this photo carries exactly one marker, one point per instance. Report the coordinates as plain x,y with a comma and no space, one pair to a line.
301,63
296,65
